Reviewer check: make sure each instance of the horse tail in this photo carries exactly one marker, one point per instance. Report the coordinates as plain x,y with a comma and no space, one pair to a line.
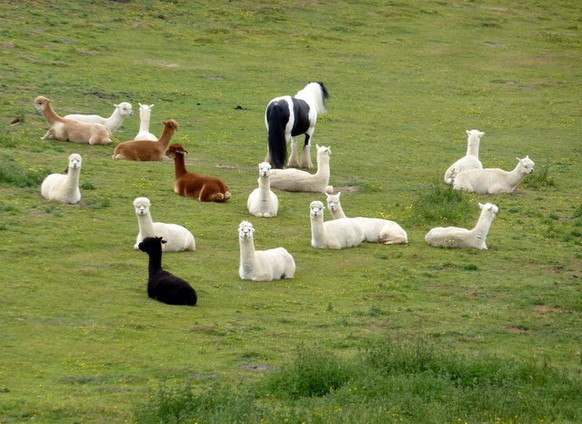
277,117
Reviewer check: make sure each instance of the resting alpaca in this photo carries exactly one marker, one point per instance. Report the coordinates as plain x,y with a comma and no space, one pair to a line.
493,180
144,123
292,179
198,186
176,237
262,265
461,237
262,201
470,160
64,129
64,188
122,110
375,229
145,150
162,285
336,234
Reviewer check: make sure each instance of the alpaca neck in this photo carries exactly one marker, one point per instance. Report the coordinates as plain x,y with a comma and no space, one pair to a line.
166,135
72,181
155,264
146,225
515,176
179,166
144,124
473,147
323,167
338,212
264,184
317,228
247,251
483,225
50,115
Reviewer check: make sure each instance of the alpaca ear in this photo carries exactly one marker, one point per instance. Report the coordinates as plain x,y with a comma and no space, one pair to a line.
468,132
481,134
115,105
481,205
140,105
518,158
151,106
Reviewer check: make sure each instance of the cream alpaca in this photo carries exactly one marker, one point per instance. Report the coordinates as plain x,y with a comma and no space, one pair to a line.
262,202
122,110
470,160
144,123
336,234
65,129
462,237
262,265
292,179
375,229
177,237
493,180
64,188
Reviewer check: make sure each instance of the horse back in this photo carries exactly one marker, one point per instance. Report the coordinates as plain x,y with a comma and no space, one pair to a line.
301,113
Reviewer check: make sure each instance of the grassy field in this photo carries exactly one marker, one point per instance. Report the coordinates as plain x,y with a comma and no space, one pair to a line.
82,342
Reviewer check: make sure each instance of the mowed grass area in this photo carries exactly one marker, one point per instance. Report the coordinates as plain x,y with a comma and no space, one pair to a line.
82,342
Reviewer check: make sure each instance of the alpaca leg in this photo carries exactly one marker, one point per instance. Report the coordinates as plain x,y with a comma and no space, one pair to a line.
294,157
306,158
49,135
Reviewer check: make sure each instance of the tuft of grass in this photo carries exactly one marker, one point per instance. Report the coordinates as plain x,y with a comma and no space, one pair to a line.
540,178
11,173
440,203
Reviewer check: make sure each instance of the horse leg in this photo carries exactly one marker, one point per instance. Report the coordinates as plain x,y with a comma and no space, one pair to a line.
294,157
306,157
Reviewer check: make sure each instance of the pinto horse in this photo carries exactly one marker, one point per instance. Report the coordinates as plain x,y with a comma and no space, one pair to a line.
287,117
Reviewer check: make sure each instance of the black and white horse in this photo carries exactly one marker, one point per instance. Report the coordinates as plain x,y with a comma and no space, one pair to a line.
287,117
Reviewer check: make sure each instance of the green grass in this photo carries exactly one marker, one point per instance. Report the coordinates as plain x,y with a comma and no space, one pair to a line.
82,342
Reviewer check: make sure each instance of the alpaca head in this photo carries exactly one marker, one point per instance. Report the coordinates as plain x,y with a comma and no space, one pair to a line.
171,124
245,230
316,209
474,135
141,205
75,161
175,150
526,165
151,244
489,208
145,109
124,108
323,152
333,201
264,168
40,103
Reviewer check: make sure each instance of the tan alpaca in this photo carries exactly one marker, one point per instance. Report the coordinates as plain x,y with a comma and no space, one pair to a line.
145,150
65,129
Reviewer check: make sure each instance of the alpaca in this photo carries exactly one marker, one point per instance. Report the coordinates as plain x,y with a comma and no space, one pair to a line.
145,150
336,234
189,184
176,237
262,202
375,229
164,286
65,129
144,123
292,179
122,111
493,180
64,188
461,237
470,160
262,265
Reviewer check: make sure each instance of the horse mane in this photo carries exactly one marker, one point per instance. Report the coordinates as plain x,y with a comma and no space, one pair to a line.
315,94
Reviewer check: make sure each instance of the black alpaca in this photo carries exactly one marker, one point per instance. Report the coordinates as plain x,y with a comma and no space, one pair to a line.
162,285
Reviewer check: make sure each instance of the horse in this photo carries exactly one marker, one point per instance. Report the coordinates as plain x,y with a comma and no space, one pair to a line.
287,117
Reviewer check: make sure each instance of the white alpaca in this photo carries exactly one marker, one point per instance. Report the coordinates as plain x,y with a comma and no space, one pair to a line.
262,202
262,265
144,123
292,179
470,160
70,129
177,237
122,111
336,234
461,237
64,187
493,180
375,229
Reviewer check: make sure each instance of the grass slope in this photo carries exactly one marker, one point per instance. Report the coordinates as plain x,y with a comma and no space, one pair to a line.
81,340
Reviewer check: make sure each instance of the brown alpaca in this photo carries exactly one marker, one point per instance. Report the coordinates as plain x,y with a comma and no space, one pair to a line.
66,129
146,150
202,187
